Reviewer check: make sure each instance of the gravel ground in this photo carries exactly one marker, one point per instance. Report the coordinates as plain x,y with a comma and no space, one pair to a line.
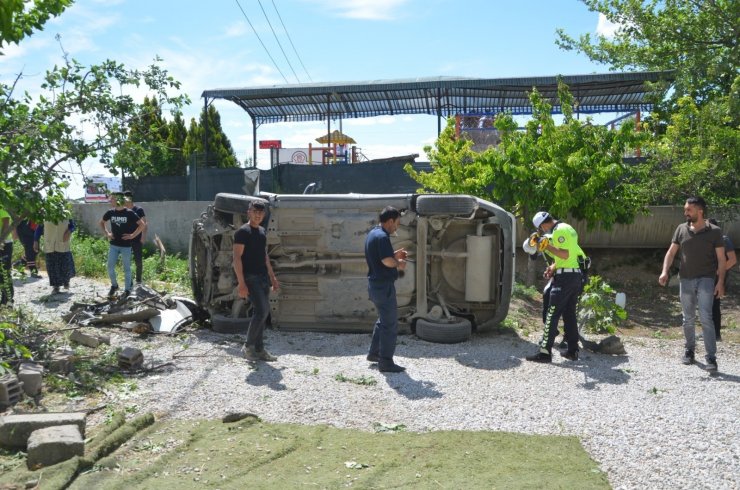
649,421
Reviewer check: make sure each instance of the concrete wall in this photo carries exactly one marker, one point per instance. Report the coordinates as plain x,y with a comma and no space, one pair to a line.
653,230
172,221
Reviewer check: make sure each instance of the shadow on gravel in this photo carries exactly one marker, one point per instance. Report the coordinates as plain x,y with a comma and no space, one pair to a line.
413,389
265,374
597,369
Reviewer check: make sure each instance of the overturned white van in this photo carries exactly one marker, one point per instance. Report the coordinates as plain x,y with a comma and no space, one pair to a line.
459,278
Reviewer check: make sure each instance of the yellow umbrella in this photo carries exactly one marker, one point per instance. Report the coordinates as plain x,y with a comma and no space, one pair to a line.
337,137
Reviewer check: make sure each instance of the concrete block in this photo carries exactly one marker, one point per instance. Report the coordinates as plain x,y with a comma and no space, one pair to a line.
130,358
89,340
53,445
11,391
16,429
31,374
61,361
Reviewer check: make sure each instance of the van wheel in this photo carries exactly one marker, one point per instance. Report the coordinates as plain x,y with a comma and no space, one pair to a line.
451,332
234,203
435,205
229,324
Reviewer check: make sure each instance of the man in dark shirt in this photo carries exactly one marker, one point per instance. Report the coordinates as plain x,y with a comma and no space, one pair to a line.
125,225
383,265
138,241
730,261
702,262
255,277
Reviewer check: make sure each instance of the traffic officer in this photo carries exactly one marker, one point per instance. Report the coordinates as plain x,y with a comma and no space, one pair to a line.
559,241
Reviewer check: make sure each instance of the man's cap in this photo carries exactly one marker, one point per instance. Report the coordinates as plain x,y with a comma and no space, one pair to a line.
540,218
257,205
128,193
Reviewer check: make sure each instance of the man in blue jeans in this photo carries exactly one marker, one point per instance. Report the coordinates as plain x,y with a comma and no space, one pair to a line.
702,254
125,225
255,278
383,265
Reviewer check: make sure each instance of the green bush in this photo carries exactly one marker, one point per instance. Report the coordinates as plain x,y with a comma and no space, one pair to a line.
598,312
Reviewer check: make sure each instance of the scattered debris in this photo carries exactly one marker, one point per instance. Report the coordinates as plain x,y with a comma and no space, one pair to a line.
11,391
88,339
130,358
17,428
143,311
61,360
611,345
31,375
52,445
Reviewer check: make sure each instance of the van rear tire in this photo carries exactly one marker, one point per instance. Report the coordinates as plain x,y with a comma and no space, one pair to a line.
455,331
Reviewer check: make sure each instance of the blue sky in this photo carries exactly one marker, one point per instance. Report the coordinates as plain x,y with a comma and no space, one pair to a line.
208,45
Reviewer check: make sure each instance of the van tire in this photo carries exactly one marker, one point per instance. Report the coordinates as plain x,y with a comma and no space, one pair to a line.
458,330
234,203
229,324
436,205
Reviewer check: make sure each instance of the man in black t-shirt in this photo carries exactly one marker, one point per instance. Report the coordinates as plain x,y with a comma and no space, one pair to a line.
138,241
255,277
125,225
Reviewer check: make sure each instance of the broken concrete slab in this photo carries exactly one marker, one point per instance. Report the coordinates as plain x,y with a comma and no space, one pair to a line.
11,391
16,429
31,375
89,340
53,445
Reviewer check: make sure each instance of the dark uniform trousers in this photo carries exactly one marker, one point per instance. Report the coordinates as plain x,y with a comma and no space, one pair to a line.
564,293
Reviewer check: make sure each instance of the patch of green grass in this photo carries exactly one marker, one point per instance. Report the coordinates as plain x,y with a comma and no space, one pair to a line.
90,254
250,454
313,372
360,380
382,427
522,291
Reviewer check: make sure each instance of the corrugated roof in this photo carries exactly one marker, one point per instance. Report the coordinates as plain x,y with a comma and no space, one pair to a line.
444,96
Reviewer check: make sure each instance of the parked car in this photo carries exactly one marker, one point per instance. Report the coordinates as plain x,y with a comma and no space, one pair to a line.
459,277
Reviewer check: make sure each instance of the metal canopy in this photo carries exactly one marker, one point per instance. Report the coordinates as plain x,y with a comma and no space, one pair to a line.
439,96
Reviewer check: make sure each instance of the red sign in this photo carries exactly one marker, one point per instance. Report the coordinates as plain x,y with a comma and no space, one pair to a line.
267,144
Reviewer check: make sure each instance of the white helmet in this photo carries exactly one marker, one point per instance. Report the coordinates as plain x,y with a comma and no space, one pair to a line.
540,218
531,250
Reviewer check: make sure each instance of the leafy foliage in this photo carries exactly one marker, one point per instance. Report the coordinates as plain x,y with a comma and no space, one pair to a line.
698,39
699,154
82,112
598,312
696,130
19,18
575,168
19,338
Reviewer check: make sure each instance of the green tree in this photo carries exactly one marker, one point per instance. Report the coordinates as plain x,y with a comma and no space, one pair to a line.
698,39
575,168
82,112
145,150
696,131
220,152
19,18
176,135
699,154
